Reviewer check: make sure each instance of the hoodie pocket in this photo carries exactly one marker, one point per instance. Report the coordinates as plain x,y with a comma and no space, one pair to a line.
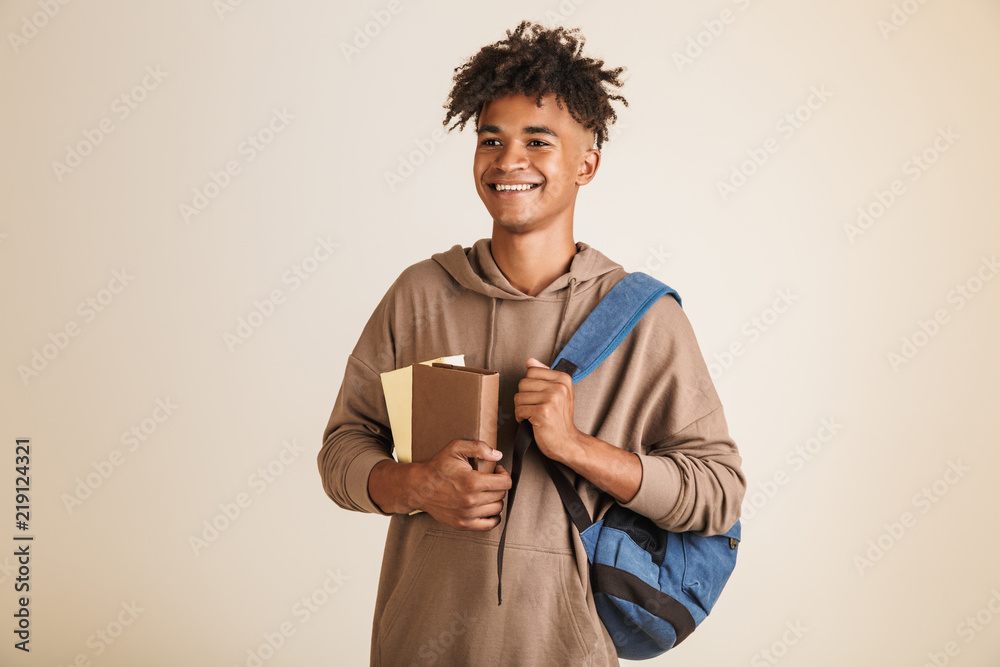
404,589
444,610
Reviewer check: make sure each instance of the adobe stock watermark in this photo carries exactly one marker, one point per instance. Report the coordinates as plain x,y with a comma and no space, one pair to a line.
563,12
132,439
7,570
121,108
796,459
404,339
408,163
899,16
751,331
913,169
656,259
294,277
365,34
927,329
435,648
968,629
923,502
102,639
779,648
785,128
713,29
231,510
33,23
405,334
620,126
224,7
618,129
302,610
247,150
87,310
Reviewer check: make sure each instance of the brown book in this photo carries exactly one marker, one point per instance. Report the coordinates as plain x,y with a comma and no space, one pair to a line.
454,403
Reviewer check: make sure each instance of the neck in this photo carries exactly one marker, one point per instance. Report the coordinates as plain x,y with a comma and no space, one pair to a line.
531,261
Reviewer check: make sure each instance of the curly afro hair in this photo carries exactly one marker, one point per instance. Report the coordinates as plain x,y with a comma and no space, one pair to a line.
537,61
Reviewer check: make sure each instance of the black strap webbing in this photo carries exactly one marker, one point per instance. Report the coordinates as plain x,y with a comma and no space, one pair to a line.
626,586
523,441
570,498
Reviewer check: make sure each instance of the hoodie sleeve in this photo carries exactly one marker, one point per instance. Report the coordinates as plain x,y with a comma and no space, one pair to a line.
356,439
692,481
406,327
357,436
691,468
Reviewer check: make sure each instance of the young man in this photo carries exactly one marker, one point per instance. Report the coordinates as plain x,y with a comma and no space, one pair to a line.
646,428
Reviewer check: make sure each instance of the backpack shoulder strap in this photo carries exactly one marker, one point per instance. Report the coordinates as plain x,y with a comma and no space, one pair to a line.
609,323
603,330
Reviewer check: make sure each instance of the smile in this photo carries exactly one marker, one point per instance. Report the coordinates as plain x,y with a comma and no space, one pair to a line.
500,187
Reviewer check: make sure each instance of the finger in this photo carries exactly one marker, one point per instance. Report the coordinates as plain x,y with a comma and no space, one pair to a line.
477,449
542,412
485,507
531,398
548,374
490,496
483,510
534,363
537,385
493,509
493,483
482,524
522,412
485,470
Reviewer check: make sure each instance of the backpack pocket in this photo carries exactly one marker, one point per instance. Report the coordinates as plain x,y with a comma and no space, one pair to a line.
708,563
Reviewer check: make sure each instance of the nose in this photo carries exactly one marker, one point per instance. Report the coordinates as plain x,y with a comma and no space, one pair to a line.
511,157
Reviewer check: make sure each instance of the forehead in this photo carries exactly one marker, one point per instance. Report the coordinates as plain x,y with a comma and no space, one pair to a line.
514,112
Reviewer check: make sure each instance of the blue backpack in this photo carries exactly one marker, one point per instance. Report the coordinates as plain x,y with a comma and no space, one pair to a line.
651,587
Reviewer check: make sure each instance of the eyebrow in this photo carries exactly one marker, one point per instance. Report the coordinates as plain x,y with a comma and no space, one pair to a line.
531,129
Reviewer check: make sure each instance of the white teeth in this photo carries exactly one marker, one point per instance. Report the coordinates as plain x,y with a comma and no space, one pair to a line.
506,188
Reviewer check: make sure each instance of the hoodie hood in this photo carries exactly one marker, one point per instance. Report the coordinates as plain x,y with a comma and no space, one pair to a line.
475,269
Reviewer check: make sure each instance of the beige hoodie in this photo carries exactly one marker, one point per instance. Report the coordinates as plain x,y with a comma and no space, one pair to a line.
437,597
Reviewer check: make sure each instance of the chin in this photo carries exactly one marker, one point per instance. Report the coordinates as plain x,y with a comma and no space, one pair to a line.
521,221
512,225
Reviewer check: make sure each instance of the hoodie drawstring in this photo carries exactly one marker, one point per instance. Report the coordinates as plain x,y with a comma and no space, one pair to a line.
562,318
491,341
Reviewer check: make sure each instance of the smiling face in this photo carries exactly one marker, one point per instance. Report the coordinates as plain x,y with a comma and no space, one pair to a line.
530,161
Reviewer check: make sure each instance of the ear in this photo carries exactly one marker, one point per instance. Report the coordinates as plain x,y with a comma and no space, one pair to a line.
589,162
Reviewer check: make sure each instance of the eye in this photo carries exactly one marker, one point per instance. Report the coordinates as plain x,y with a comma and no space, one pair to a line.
486,142
538,142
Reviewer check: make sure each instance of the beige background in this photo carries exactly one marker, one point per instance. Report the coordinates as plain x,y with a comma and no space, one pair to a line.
342,124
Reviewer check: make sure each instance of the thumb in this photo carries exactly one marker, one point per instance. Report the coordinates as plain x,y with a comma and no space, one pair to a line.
476,449
533,363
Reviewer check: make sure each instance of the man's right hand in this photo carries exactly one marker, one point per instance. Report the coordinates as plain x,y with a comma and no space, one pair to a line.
447,487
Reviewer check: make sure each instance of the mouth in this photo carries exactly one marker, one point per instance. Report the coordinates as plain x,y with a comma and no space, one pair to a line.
513,188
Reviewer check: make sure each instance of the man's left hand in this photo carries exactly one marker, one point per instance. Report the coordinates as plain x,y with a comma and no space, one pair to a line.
545,398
